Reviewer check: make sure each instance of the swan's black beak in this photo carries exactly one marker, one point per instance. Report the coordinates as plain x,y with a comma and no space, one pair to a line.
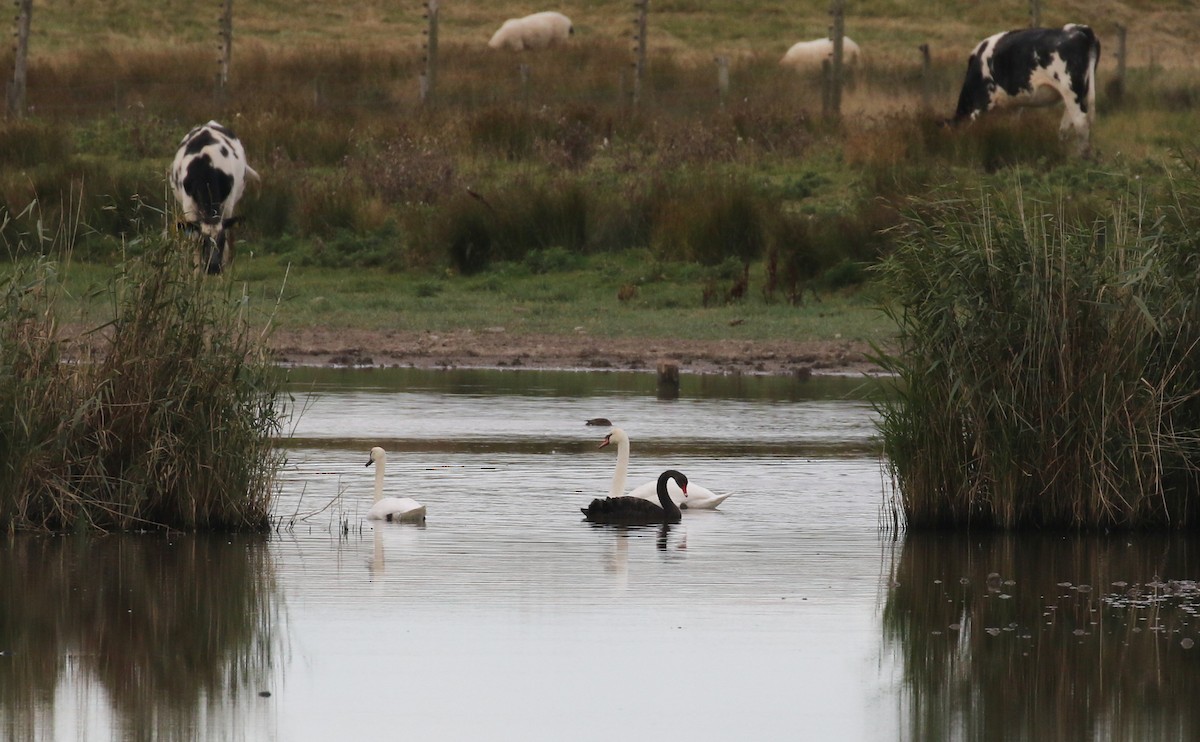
369,462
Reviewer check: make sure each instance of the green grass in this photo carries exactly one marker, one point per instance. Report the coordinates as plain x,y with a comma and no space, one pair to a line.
669,301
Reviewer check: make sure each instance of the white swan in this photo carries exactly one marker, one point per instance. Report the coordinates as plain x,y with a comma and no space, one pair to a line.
392,509
697,497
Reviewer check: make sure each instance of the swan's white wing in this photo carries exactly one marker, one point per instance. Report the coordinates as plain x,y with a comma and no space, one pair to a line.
398,508
703,498
698,498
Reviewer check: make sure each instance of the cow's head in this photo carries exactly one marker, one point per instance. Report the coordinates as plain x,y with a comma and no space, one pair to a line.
216,241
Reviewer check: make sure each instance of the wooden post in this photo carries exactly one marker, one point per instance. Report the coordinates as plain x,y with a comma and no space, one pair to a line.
639,48
668,379
1035,13
1122,32
429,77
16,93
826,88
926,77
1116,88
722,79
837,33
523,71
225,33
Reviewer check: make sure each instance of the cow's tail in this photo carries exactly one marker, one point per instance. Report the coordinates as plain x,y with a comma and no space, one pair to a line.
1093,47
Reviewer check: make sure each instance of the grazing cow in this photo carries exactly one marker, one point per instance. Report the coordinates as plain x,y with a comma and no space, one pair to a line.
536,31
1035,67
808,56
209,176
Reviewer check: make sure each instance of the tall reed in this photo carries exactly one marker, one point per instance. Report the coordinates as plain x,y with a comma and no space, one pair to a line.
163,419
1047,369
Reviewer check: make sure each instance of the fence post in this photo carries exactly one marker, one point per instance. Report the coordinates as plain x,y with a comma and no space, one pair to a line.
837,32
1116,88
16,92
429,77
722,79
639,49
826,88
523,71
1035,13
225,33
926,77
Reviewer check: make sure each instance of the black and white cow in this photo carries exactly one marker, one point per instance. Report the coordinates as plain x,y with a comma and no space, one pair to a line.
209,176
1035,67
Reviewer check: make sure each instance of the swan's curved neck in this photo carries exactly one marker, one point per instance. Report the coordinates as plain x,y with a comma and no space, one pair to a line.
379,465
664,498
618,480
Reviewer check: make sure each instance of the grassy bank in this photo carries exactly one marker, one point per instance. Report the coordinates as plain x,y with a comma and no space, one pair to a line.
511,164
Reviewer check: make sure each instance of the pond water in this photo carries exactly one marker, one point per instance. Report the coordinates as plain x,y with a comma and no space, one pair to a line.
789,613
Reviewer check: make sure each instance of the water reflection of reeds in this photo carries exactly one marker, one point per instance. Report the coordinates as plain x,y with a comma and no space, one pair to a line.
1036,638
174,633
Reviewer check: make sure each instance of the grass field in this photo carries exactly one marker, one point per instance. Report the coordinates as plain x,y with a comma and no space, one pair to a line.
888,30
365,191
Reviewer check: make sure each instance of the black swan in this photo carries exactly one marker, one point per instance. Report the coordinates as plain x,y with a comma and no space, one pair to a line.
634,511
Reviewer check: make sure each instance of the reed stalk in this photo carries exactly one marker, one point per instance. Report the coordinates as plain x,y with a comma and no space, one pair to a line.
161,418
1046,369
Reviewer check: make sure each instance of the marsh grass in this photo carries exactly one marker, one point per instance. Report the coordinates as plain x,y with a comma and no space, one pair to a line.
1046,366
161,418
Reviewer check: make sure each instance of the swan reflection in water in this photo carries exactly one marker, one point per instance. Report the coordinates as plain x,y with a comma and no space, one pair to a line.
616,562
397,538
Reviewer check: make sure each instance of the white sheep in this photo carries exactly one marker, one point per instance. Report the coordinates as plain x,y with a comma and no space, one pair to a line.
807,56
536,31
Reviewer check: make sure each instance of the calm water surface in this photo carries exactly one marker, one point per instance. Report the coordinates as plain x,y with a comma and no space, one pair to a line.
786,614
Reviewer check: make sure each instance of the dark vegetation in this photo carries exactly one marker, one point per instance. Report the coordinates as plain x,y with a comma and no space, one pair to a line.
170,425
1047,373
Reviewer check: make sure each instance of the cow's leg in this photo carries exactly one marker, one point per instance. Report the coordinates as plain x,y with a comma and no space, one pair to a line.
1075,122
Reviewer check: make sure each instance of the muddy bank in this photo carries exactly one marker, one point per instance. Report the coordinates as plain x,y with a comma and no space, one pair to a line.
498,349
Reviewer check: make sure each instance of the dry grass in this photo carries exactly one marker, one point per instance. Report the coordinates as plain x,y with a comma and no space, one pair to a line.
169,424
1166,31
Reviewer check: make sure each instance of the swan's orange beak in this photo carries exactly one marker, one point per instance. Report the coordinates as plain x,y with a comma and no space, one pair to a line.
607,440
684,488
